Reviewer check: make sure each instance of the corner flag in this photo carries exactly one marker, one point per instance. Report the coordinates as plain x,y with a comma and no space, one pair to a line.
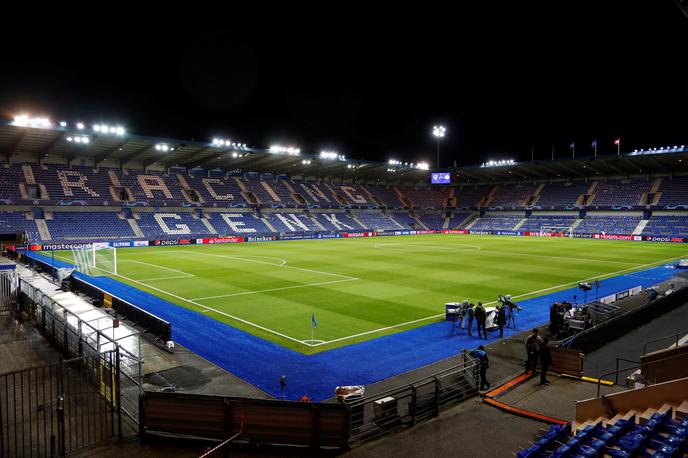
314,322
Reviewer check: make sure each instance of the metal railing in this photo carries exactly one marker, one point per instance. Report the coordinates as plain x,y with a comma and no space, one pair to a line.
645,371
75,338
60,408
676,337
424,398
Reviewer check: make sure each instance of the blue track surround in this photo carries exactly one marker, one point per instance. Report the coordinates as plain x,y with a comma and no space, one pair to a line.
261,362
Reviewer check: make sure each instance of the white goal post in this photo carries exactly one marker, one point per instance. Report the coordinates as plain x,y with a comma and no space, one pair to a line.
96,259
568,230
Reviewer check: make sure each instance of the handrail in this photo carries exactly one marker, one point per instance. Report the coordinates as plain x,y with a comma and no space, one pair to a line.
677,335
616,379
443,373
639,366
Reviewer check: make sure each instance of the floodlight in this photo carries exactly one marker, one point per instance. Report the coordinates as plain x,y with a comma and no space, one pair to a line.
63,124
80,125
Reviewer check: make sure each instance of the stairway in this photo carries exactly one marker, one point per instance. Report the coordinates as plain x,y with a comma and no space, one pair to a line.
43,229
207,224
472,223
135,227
317,223
398,224
420,223
445,225
270,191
519,224
268,224
640,227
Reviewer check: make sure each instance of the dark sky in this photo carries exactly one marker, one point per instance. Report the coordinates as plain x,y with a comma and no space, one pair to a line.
370,83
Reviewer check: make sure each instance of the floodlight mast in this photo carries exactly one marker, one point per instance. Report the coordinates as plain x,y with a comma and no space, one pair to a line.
438,132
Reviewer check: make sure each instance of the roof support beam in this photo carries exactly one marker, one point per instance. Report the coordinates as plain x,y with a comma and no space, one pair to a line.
101,157
131,156
11,149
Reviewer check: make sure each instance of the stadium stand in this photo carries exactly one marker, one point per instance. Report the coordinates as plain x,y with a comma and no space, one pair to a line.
292,222
496,223
78,225
609,224
670,226
535,223
337,221
619,193
165,224
217,190
153,187
378,221
16,222
234,223
470,197
560,195
674,192
406,220
427,198
513,196
10,177
456,220
432,220
385,196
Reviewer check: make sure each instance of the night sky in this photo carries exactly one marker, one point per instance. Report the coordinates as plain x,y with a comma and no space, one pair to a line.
371,83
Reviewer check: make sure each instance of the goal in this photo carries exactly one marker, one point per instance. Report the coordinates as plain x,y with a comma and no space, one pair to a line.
562,231
96,259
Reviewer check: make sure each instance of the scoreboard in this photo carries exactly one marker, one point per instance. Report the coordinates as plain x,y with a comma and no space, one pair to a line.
440,178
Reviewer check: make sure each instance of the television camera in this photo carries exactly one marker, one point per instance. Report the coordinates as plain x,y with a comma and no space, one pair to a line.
512,308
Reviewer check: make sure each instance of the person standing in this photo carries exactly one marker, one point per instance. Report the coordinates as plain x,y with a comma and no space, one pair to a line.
481,355
470,313
545,361
533,344
480,318
501,319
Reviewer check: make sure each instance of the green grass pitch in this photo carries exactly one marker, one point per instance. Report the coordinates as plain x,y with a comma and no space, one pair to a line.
364,288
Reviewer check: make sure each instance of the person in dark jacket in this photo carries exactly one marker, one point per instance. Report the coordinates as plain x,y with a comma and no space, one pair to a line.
533,344
480,318
501,319
545,361
481,355
470,314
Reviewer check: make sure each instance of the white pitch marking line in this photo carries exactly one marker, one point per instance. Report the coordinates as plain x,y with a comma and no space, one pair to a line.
243,293
167,278
159,266
494,302
271,264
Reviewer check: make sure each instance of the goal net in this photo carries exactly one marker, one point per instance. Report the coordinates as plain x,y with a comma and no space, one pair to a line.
96,259
563,231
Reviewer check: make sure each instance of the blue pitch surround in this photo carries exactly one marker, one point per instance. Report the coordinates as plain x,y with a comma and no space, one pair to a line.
261,362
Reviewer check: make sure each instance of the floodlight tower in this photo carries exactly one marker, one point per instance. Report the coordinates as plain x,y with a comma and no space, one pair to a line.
438,132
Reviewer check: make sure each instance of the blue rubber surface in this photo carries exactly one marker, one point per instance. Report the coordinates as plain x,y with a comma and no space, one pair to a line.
261,362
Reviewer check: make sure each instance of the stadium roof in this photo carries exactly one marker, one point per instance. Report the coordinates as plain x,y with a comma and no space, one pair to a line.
125,147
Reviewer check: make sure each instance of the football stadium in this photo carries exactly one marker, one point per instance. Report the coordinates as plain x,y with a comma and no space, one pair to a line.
172,295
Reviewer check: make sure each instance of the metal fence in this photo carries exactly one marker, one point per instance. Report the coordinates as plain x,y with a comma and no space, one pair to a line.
76,338
404,406
9,282
56,409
